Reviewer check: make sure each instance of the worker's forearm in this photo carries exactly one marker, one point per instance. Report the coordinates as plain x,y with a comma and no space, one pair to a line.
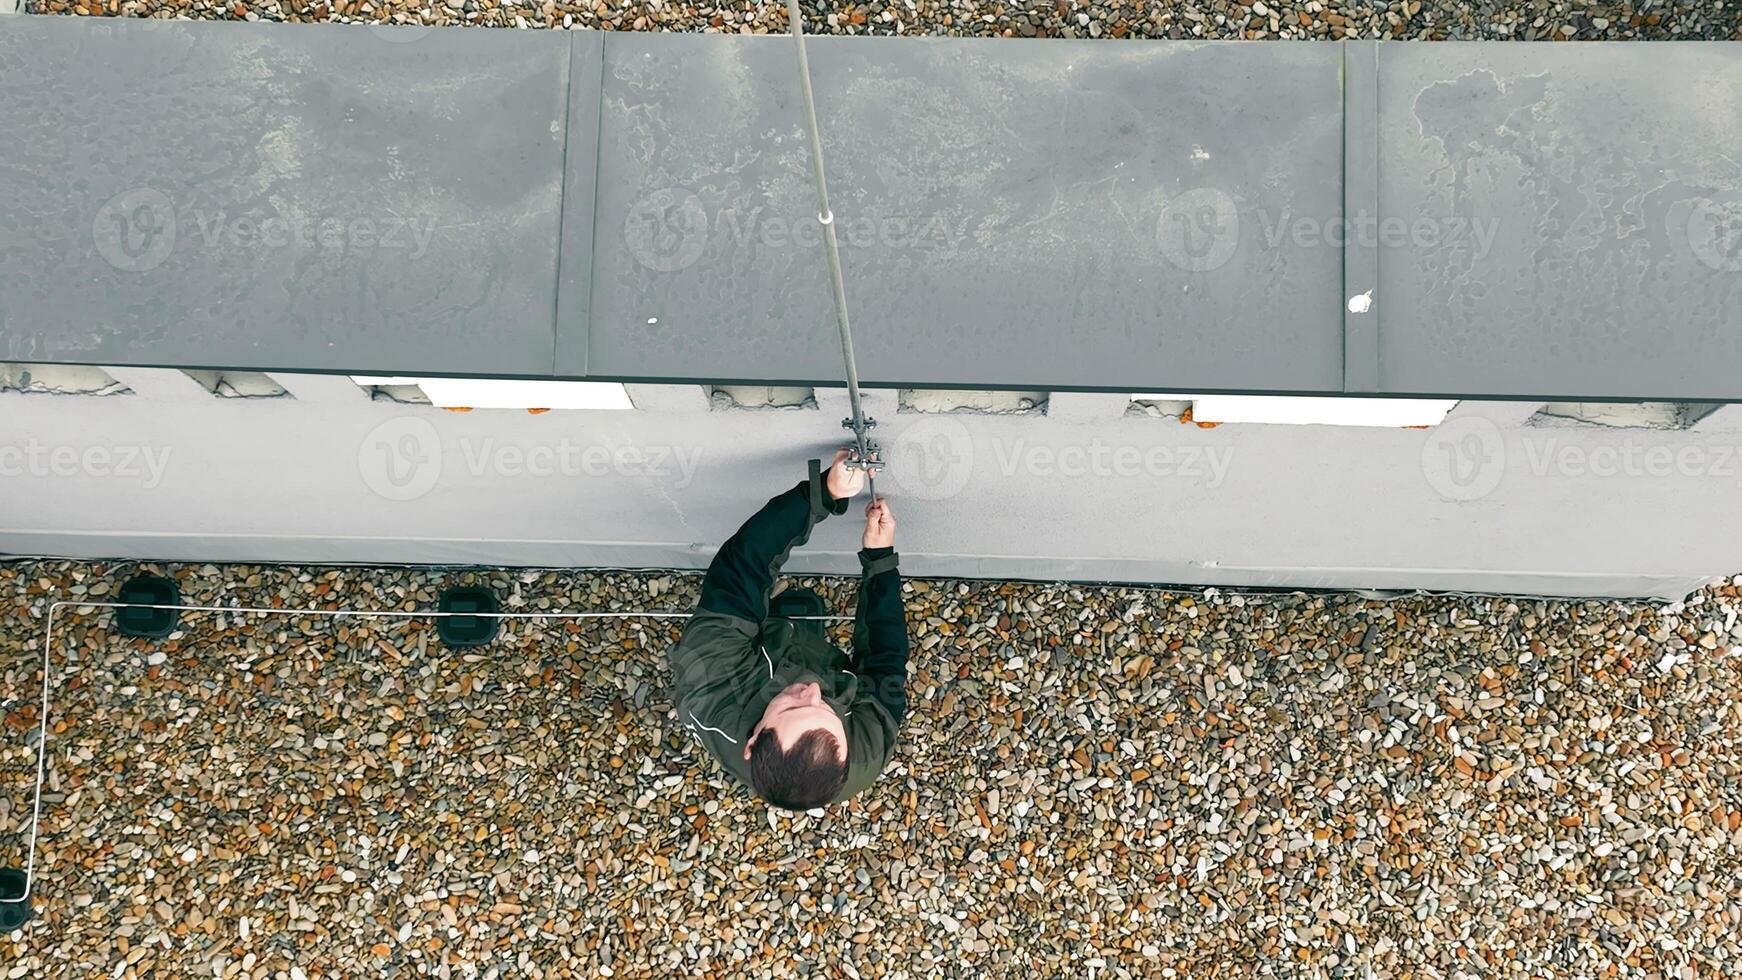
881,644
743,571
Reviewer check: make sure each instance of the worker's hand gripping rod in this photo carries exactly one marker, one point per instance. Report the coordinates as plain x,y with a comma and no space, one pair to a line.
865,454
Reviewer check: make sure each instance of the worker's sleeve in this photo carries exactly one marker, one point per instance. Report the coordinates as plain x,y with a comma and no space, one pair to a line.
742,573
880,643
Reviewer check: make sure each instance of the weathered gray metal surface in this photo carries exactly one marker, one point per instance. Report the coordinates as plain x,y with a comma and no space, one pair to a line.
1046,214
1609,177
1032,212
255,195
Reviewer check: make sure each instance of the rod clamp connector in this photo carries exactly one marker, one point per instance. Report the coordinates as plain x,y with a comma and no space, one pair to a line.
870,461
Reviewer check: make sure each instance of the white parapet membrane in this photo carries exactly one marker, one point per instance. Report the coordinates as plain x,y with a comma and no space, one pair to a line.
1307,410
498,393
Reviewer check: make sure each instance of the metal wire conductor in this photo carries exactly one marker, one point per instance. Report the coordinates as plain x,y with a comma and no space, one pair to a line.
55,607
866,454
48,684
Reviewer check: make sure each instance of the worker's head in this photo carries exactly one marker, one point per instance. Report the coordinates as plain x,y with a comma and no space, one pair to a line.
798,751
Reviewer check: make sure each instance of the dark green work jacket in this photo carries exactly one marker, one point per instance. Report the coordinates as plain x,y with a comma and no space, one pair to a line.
733,658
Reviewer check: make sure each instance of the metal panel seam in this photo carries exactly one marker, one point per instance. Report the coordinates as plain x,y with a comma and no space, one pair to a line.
593,250
562,200
1360,308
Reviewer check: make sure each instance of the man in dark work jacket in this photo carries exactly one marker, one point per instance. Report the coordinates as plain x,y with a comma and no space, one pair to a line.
785,711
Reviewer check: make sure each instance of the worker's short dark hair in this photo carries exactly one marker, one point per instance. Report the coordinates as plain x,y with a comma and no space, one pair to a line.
807,775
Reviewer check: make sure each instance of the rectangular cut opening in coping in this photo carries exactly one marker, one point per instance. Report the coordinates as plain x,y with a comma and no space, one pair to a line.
938,401
758,397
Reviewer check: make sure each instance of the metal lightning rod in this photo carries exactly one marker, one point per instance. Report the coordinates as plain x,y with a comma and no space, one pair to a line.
867,452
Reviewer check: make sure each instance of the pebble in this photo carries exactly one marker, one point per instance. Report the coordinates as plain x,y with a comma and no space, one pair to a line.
1093,781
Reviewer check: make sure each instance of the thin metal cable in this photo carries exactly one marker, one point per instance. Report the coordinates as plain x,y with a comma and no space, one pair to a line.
48,652
1142,590
831,248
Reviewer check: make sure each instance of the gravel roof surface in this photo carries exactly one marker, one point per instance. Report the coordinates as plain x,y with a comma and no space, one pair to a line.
1435,19
1093,781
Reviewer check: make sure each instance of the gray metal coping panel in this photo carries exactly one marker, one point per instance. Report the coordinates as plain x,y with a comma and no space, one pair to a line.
1571,215
321,197
1013,212
1023,213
